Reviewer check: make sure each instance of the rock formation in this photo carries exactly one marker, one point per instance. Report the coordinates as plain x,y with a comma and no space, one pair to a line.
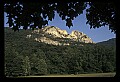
55,32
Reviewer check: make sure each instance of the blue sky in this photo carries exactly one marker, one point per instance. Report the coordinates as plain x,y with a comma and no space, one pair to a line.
79,23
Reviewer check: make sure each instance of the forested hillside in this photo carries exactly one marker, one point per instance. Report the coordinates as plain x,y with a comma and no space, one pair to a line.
25,56
109,42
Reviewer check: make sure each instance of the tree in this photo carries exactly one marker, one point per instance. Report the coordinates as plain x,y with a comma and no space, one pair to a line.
42,67
38,14
13,63
38,66
101,14
26,66
40,54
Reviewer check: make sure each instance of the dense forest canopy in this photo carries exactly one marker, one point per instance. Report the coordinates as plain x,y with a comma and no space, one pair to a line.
25,56
37,14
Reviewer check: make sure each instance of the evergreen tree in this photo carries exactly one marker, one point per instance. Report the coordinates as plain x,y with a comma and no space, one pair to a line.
13,64
26,66
42,67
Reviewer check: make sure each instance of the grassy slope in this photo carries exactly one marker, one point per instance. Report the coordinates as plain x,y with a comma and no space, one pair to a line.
80,75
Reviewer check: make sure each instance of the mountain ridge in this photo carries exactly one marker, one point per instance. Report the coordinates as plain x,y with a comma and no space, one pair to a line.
111,41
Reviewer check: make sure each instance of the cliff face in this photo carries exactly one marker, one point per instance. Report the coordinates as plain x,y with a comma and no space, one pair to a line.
49,32
80,36
55,31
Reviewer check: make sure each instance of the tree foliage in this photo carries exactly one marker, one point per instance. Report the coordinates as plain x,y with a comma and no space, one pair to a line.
26,66
101,14
34,14
25,56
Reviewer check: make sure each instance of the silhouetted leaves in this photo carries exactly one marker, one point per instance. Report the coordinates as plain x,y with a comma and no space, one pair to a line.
99,14
40,13
69,23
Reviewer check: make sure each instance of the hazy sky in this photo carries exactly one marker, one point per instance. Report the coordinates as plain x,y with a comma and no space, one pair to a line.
79,23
